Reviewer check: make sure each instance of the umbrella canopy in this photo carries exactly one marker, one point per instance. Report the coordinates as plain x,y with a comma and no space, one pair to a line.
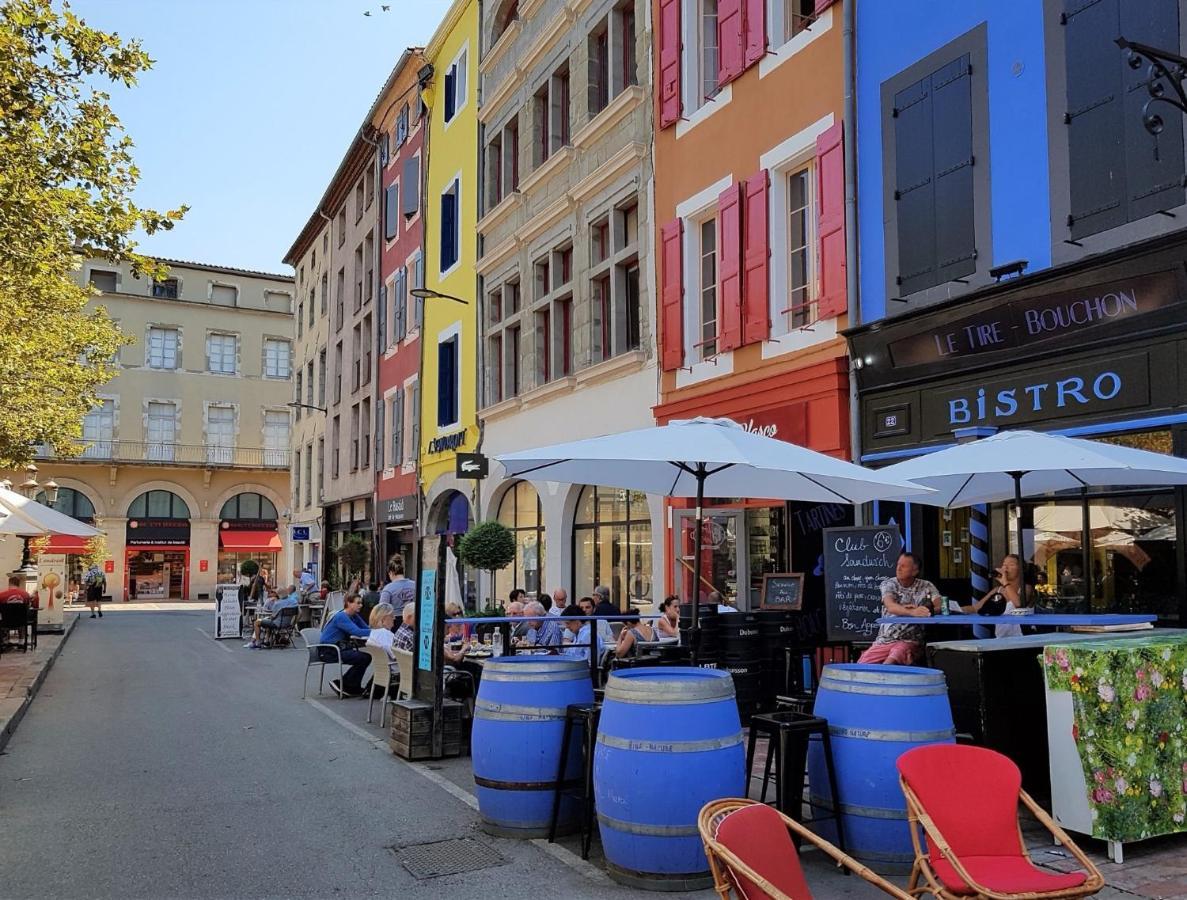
1065,517
687,458
732,462
28,518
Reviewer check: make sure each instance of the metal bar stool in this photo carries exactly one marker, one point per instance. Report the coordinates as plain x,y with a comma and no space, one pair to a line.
584,716
788,735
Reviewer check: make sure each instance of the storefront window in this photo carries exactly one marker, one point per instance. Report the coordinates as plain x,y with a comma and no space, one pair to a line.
612,544
519,510
70,503
158,505
766,532
248,532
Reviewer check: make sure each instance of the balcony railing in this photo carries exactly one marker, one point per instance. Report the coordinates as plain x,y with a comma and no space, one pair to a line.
173,454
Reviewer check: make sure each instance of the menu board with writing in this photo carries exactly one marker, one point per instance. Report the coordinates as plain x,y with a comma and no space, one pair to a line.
856,560
227,613
784,590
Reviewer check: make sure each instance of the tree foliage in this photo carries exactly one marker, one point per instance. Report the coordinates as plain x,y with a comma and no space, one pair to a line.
489,546
66,184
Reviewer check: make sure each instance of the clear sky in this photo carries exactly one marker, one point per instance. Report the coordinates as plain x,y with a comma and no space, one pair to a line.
249,109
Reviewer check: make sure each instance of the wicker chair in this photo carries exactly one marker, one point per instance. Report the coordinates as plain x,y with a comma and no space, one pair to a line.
751,853
965,801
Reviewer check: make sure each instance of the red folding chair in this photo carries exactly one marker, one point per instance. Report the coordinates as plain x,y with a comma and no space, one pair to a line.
751,853
965,801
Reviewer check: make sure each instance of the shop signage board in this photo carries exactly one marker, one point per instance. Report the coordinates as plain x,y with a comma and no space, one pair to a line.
398,509
782,590
472,466
856,560
226,612
300,532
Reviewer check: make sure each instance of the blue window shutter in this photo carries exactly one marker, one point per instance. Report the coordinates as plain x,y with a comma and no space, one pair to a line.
381,329
450,87
411,181
415,423
401,303
448,228
398,427
379,426
391,205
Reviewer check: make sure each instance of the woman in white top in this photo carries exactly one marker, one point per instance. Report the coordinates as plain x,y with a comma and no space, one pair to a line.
382,618
1012,589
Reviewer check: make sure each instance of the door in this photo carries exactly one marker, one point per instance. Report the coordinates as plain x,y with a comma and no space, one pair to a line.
161,431
722,556
276,439
220,435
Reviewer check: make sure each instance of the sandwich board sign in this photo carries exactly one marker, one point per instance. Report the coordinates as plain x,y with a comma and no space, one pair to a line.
227,616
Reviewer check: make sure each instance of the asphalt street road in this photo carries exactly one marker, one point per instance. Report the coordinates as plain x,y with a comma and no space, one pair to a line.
159,763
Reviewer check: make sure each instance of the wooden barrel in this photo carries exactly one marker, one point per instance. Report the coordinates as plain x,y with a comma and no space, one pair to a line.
875,714
519,719
669,741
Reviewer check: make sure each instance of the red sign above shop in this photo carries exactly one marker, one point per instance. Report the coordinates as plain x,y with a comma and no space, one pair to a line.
203,565
786,423
109,566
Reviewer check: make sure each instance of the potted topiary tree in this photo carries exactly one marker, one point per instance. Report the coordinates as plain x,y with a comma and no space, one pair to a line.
489,546
353,555
248,568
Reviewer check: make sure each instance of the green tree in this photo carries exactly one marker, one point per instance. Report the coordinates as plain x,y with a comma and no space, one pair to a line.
66,183
489,546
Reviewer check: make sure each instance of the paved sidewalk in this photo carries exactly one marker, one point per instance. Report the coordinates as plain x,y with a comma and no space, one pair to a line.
21,675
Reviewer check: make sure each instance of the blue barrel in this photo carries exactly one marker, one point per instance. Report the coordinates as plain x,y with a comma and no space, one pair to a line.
875,714
519,719
669,741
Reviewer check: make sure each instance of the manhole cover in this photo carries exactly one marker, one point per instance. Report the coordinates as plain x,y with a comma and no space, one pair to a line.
447,858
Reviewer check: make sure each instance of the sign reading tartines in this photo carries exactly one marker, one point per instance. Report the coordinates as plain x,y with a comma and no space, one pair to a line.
1032,320
856,560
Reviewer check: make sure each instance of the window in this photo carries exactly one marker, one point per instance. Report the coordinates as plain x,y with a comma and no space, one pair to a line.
276,438
369,264
494,170
543,346
220,434
309,383
161,427
455,87
615,310
249,505
325,297
368,338
342,226
629,73
365,434
163,348
358,278
410,179
368,187
550,110
502,375
402,126
103,280
391,207
98,430
321,467
297,395
1117,172
356,354
358,202
338,372
221,353
707,309
450,226
787,18
224,295
335,446
166,288
321,377
308,474
520,511
354,438
312,295
511,358
158,505
801,306
300,318
707,34
277,358
448,381
612,544
340,299
411,438
70,502
507,13
400,305
502,162
598,91
395,415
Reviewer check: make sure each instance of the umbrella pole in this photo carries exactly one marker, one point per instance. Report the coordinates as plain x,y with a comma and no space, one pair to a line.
1086,548
1018,514
695,632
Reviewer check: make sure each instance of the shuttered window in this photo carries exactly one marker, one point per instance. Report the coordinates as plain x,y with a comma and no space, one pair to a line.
756,252
410,178
668,35
934,196
729,268
1117,171
830,224
450,238
672,294
391,204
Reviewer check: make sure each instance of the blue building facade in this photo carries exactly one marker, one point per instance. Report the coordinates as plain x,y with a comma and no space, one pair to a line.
1023,263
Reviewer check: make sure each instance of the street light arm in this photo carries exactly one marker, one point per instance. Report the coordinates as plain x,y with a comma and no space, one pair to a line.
430,294
320,409
1166,69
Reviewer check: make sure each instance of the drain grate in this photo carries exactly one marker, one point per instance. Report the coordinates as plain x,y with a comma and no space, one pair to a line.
450,857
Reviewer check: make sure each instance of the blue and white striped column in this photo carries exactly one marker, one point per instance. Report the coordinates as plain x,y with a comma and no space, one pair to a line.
979,557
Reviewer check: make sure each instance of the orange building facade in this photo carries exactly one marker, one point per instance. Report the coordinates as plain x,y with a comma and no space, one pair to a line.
750,263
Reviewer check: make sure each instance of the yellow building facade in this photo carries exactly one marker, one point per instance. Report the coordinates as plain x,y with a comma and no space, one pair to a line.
449,422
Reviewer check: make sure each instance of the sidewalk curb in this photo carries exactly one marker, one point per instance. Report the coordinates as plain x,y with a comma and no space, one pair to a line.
11,725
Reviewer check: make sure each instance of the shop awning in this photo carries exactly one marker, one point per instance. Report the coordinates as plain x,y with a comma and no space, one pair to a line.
66,543
268,541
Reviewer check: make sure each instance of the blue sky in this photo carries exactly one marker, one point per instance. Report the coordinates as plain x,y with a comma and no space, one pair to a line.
249,109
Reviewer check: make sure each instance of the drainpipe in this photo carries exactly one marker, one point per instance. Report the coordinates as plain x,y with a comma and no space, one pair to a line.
849,118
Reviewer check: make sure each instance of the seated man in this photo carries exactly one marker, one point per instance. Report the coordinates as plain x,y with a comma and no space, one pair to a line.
405,638
581,632
291,600
544,630
16,592
343,625
906,594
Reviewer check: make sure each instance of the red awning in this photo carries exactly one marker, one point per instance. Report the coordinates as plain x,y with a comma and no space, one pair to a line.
250,540
65,543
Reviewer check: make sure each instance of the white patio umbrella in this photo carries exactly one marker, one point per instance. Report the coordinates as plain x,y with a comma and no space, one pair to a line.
36,518
1011,464
689,458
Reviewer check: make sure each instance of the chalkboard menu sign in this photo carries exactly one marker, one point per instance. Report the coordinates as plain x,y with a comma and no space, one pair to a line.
782,590
856,560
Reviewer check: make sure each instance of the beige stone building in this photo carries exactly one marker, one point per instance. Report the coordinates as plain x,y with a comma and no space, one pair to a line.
185,460
565,271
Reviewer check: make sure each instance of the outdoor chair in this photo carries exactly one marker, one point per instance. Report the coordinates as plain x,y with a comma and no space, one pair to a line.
965,801
14,616
381,677
312,638
279,631
751,854
404,663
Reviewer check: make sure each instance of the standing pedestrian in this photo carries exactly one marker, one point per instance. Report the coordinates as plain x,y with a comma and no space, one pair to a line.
95,583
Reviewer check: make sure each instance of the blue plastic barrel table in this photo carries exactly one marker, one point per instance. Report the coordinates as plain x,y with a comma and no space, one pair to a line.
669,741
875,714
519,719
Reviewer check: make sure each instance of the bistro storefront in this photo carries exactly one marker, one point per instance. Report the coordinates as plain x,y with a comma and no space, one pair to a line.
397,523
1095,350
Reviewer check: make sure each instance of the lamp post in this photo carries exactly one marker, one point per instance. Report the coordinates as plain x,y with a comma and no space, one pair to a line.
1166,70
29,488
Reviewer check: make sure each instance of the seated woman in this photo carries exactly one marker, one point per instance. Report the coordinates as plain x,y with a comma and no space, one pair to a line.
667,626
455,634
1011,594
633,631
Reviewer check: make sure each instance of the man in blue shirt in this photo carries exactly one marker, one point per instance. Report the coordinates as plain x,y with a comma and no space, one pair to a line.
305,580
291,600
581,632
341,627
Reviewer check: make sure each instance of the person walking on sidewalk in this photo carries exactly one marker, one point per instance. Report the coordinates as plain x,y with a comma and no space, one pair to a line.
95,583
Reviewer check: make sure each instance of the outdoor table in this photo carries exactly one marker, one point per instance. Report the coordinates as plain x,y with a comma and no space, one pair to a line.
1057,620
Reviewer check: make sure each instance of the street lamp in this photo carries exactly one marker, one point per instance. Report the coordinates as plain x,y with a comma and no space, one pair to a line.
429,294
1166,70
320,409
29,488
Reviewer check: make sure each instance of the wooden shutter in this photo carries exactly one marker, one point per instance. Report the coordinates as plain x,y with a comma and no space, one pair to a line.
731,40
756,322
729,268
398,428
822,5
830,225
411,184
668,34
379,426
400,303
381,321
914,194
448,231
450,88
952,136
1154,169
391,201
755,28
415,422
671,237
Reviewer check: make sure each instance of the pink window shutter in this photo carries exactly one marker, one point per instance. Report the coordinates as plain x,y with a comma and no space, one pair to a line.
668,33
756,325
756,31
729,268
731,40
671,295
830,180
